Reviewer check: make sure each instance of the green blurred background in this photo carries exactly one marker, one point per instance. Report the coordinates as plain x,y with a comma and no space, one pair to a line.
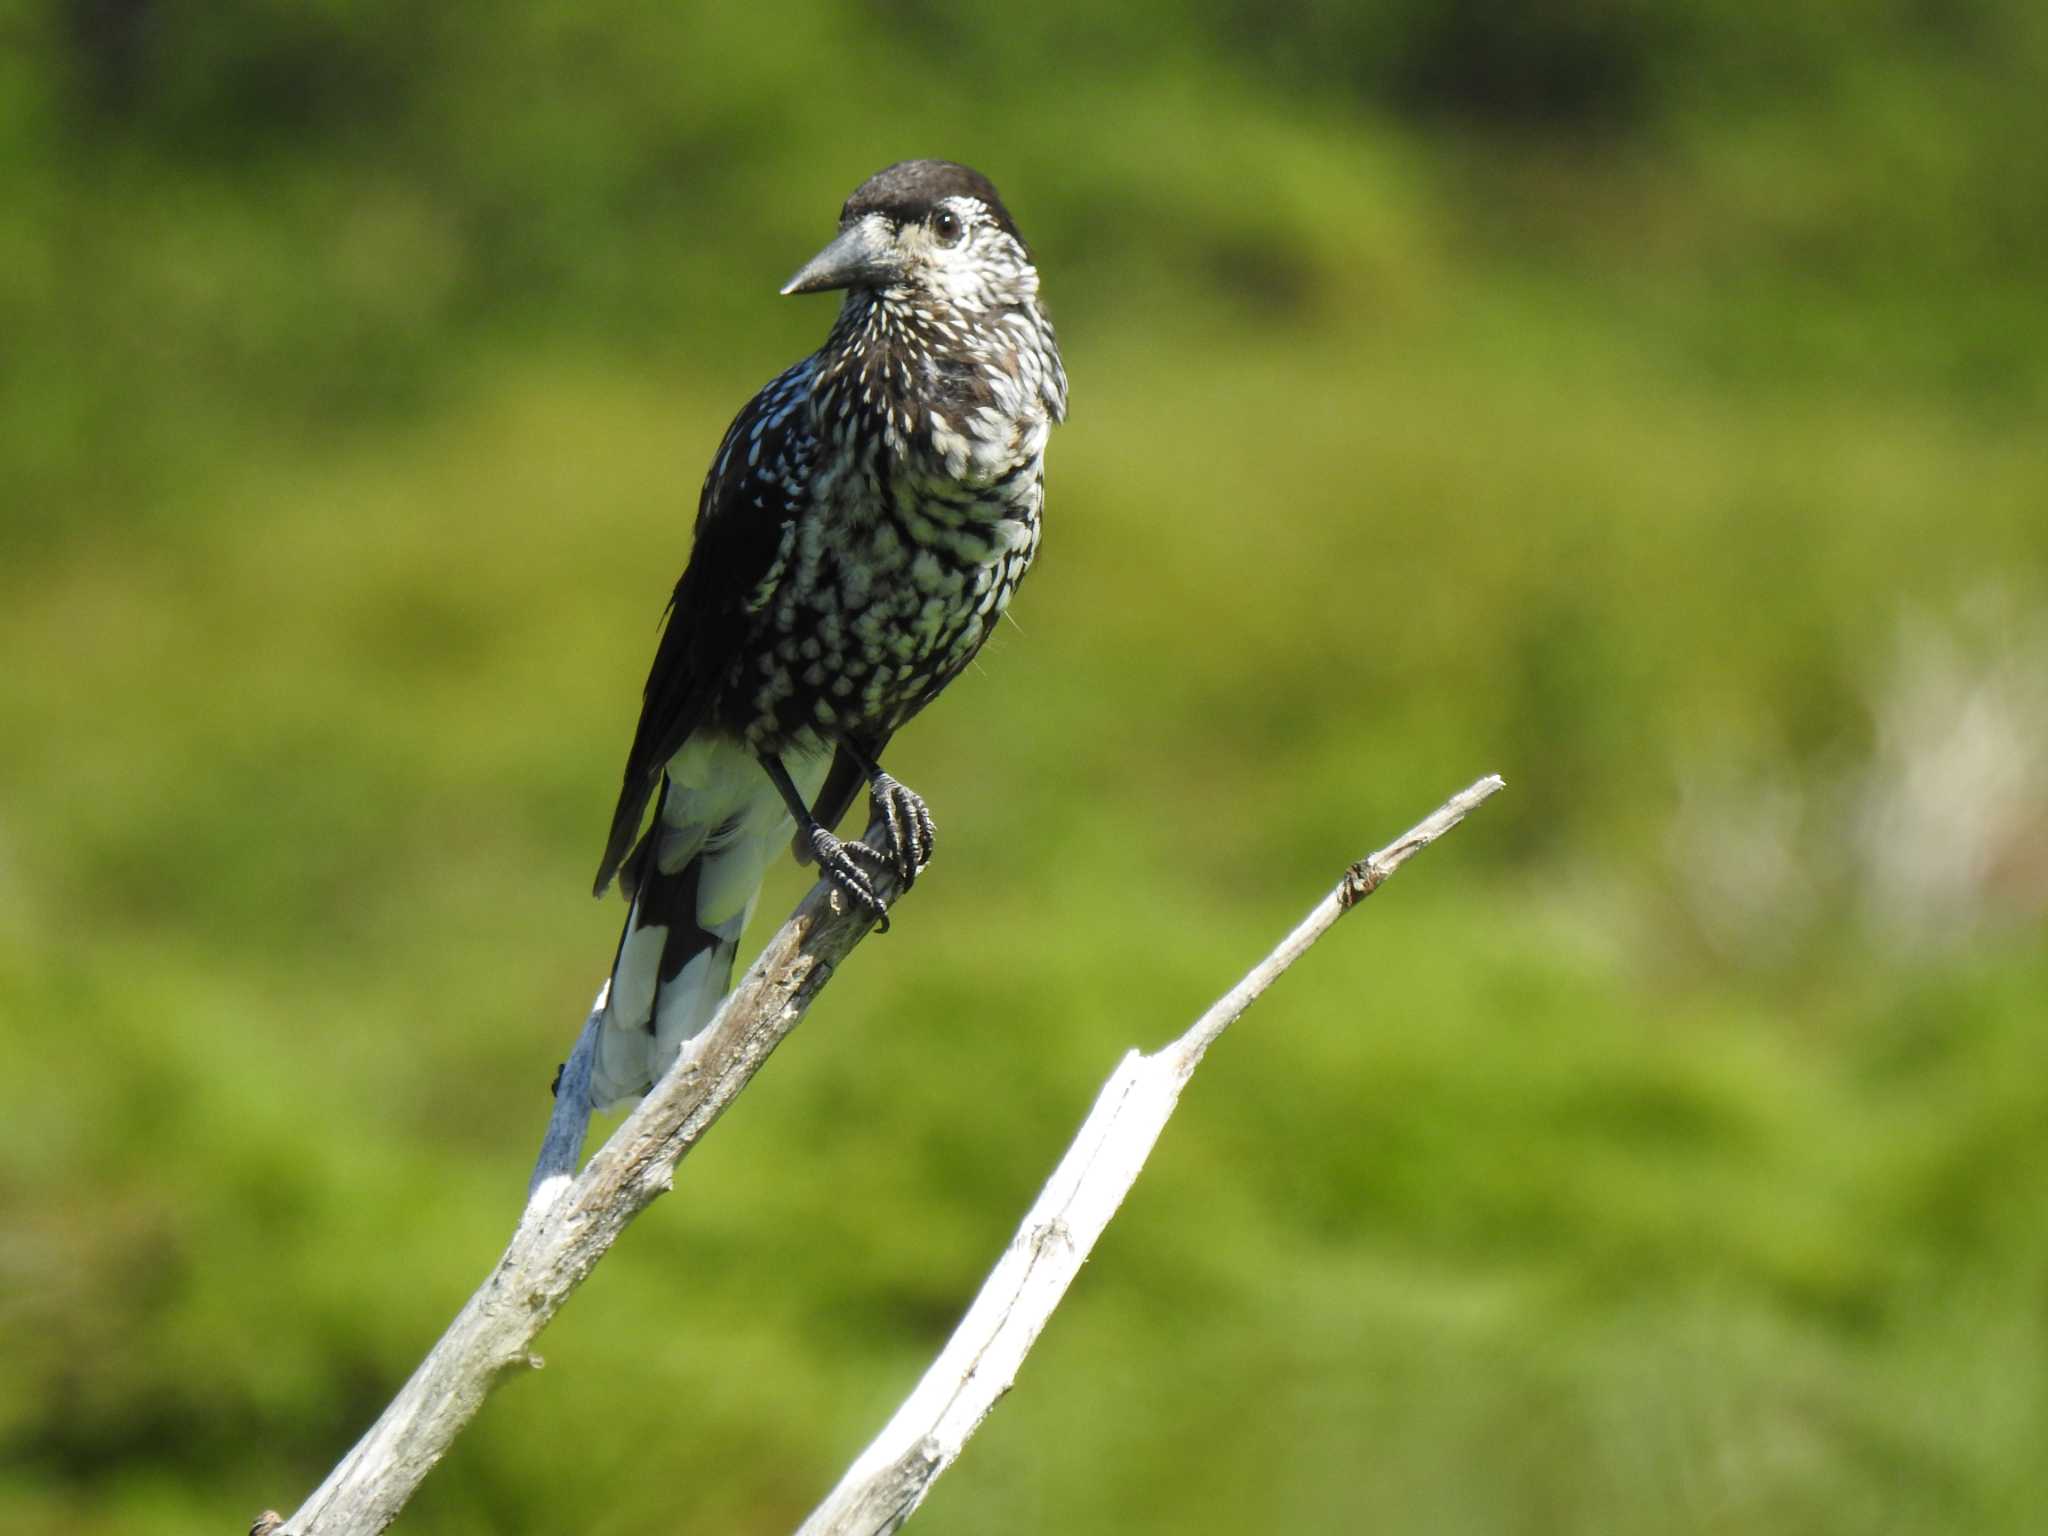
1642,401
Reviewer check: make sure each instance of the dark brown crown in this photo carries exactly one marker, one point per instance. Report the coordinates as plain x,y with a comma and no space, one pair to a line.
909,189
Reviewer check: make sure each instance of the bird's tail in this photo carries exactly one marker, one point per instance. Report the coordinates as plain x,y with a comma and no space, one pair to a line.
693,879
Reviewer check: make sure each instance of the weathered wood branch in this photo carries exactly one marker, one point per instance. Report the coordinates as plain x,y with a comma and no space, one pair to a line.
571,1219
979,1364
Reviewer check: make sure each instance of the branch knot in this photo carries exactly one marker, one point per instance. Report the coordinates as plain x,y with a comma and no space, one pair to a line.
1360,881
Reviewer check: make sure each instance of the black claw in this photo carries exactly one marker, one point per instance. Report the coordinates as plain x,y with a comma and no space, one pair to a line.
840,861
912,833
856,849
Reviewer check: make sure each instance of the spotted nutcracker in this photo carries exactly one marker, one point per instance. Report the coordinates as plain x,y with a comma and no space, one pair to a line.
863,526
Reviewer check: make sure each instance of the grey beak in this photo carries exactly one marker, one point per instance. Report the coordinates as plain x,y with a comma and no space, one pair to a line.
860,256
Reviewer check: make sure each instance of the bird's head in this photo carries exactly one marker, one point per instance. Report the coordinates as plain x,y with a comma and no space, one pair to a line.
925,229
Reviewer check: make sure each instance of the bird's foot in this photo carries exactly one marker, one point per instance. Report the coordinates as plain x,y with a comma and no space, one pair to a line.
840,861
912,832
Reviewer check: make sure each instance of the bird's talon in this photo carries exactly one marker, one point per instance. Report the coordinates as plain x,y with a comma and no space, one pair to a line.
908,821
840,861
856,849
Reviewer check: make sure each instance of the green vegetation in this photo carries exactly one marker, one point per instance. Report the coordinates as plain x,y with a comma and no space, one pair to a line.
1643,402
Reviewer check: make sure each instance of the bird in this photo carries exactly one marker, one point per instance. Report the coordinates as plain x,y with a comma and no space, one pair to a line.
863,526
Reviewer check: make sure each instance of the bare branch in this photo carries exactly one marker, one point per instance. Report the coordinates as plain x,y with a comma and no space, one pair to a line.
572,1219
978,1365
569,1223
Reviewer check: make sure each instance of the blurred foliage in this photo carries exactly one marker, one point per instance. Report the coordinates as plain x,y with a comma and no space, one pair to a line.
1642,401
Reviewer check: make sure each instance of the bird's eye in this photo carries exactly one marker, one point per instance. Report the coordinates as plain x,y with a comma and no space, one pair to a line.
946,225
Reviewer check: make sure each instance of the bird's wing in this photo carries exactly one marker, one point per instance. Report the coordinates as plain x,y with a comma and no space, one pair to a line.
745,533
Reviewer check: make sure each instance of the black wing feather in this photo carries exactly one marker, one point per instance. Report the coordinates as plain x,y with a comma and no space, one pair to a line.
750,496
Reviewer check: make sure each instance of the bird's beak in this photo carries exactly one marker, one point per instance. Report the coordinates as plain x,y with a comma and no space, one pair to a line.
861,256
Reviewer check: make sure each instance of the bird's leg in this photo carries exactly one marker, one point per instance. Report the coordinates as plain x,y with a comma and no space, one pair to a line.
912,832
837,858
